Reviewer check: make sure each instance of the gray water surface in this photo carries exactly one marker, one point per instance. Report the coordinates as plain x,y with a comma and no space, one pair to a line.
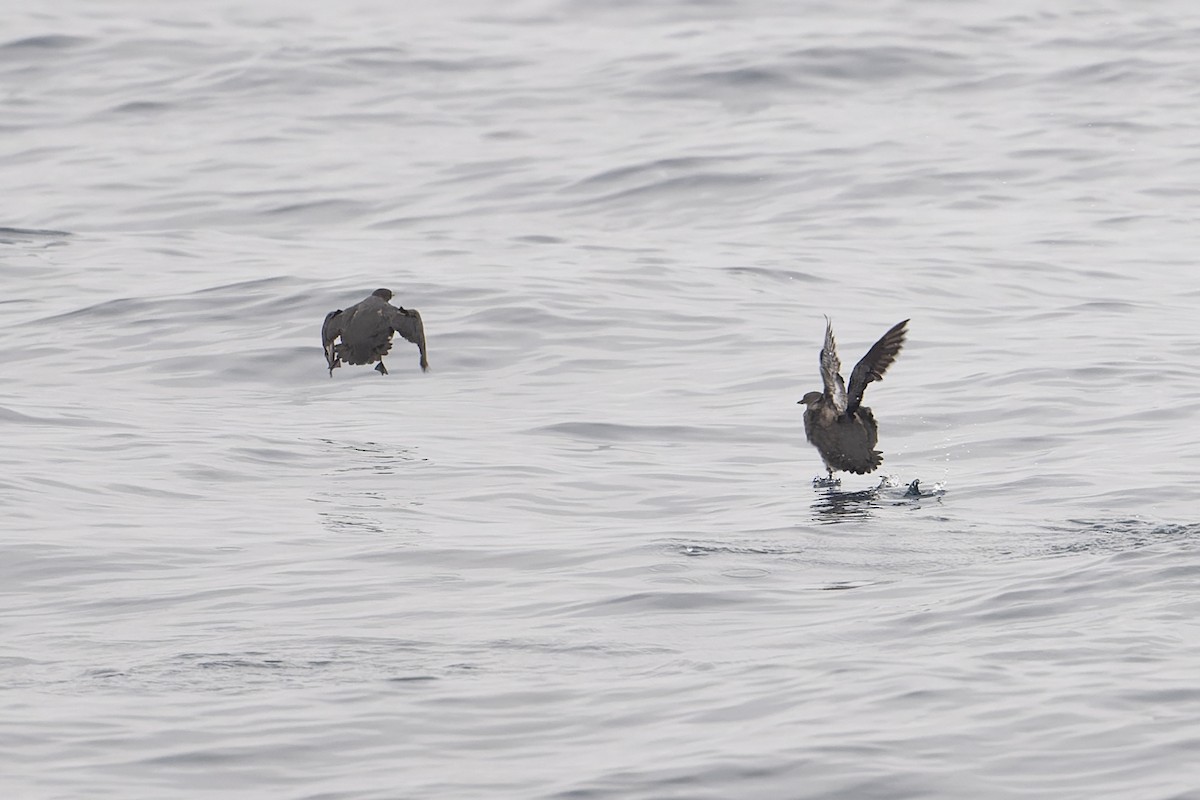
583,557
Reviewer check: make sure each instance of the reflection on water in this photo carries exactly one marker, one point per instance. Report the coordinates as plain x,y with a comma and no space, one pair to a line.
836,506
833,505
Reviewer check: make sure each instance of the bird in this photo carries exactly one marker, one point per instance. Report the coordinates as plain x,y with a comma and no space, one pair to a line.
366,330
836,422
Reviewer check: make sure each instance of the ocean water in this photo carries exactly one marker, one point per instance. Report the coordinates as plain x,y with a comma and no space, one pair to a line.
583,557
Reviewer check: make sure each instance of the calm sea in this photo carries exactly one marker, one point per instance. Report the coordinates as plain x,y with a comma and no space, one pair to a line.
583,556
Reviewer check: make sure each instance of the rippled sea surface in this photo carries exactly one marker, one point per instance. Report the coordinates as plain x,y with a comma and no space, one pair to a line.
583,557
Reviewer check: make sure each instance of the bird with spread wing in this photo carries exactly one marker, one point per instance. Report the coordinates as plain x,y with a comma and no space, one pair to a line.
836,422
366,330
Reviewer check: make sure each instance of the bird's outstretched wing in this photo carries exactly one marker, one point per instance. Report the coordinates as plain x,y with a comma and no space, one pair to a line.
330,330
831,368
875,363
407,322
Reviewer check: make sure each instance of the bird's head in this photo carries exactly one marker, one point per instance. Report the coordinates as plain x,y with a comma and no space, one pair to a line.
811,399
386,294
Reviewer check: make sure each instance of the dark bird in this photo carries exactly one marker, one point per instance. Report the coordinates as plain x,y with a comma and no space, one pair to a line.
836,422
366,329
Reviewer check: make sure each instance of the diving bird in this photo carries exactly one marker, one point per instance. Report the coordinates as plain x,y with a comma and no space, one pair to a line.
366,330
836,422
